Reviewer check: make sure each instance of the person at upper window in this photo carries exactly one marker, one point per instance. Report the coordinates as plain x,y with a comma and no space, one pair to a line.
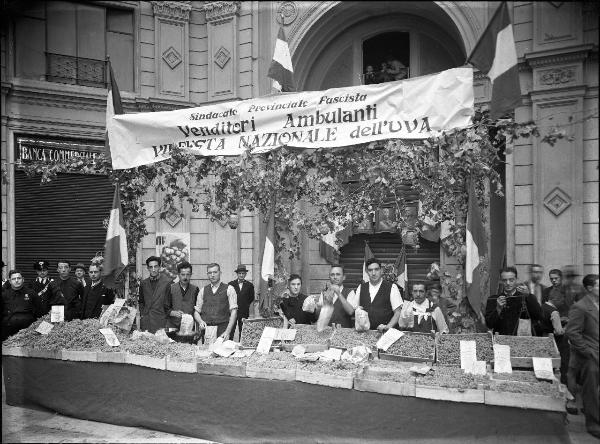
421,314
511,312
293,306
379,298
395,69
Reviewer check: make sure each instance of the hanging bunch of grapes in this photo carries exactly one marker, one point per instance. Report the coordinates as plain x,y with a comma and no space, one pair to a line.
172,256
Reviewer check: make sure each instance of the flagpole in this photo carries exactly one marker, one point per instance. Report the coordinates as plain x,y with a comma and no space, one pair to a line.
485,31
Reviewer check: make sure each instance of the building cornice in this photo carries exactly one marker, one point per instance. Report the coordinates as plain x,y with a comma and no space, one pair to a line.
221,11
560,56
173,10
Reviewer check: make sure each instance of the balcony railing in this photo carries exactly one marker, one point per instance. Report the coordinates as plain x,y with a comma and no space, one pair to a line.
75,70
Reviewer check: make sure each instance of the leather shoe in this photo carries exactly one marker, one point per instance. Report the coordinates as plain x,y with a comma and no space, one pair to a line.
571,408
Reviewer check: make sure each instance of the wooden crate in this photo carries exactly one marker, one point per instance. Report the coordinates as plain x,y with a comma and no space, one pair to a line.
146,361
367,381
527,361
385,355
233,369
174,365
79,355
14,351
329,380
525,401
476,396
437,346
275,322
116,357
280,374
44,354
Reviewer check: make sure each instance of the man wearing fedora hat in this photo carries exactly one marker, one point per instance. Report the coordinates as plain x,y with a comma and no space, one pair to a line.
45,290
245,297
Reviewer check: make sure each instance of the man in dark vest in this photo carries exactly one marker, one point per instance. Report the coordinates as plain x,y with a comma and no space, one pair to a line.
182,297
379,298
153,291
95,295
342,309
421,315
71,289
45,290
216,304
245,297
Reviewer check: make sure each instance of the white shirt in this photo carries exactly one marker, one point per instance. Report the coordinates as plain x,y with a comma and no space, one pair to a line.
395,298
335,296
231,296
412,308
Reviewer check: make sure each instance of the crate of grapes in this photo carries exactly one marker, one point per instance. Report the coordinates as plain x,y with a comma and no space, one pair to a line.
308,336
447,347
252,330
411,347
348,338
523,348
523,390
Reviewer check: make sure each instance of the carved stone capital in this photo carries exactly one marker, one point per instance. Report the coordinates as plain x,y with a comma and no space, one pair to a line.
221,11
174,10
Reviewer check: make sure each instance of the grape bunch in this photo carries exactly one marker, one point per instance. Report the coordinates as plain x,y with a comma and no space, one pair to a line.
171,256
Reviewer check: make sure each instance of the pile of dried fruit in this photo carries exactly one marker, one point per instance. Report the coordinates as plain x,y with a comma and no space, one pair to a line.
253,330
340,368
448,350
388,371
516,376
530,388
527,346
452,377
27,336
280,360
146,347
346,338
307,334
179,351
414,345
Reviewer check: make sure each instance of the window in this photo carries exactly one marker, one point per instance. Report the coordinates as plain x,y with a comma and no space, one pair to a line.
386,58
80,36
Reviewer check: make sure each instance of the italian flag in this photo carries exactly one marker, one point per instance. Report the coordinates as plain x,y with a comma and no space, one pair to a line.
281,69
476,249
115,247
495,55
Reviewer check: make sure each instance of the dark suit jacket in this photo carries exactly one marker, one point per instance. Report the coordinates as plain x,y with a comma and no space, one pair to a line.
245,297
583,329
152,308
507,321
93,300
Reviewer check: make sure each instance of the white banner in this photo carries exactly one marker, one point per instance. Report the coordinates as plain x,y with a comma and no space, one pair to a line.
415,108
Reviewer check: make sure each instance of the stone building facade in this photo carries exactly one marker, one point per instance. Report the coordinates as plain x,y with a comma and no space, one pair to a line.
177,54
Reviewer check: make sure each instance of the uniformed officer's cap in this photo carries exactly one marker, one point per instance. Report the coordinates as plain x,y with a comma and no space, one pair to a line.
40,265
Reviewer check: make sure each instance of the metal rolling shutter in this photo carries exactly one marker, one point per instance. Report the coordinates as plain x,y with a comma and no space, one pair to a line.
387,246
59,220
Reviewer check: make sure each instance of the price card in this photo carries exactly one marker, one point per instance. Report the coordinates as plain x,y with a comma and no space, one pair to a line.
478,368
333,354
468,354
111,338
119,302
44,328
388,338
57,313
264,345
502,359
285,334
542,367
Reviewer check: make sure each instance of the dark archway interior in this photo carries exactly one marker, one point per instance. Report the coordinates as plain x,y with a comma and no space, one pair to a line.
376,49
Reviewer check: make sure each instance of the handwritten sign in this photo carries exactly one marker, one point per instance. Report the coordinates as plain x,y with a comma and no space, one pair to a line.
468,354
264,345
285,334
111,338
388,338
502,362
478,368
542,367
57,313
44,328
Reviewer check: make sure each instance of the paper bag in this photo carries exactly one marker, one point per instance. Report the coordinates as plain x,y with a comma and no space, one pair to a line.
210,334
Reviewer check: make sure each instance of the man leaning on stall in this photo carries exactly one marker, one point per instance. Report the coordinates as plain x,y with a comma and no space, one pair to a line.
379,298
512,311
216,304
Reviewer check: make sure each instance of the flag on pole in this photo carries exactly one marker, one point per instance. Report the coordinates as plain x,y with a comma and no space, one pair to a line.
495,55
281,69
368,255
476,249
267,270
402,270
113,103
115,247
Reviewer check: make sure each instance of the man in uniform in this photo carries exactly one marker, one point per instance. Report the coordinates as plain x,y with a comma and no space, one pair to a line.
338,296
18,308
80,274
71,290
512,311
245,297
45,290
379,298
420,314
153,292
95,295
216,304
182,297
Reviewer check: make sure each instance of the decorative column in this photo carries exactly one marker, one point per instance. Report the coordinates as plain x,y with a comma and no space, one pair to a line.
171,49
222,24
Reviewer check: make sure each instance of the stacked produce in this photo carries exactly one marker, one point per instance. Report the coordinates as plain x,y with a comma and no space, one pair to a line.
448,350
282,360
253,330
388,371
528,346
452,377
307,334
347,338
145,346
531,388
180,351
420,346
338,368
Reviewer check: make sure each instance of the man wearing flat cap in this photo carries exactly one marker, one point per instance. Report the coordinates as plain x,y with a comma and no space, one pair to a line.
245,297
80,274
45,290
